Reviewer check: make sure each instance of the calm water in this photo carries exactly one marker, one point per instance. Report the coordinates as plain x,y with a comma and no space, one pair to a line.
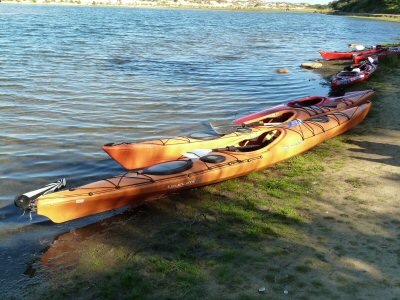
75,78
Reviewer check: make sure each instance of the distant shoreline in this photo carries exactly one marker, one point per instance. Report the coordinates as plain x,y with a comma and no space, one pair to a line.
193,6
157,6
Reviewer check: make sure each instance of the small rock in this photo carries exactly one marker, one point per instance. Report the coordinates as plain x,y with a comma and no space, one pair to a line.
282,71
262,290
311,65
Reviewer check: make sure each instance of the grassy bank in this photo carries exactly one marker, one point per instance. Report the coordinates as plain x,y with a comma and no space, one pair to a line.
311,227
370,16
388,19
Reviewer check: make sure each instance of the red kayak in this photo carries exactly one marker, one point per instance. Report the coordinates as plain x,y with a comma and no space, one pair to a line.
310,105
360,58
353,74
345,55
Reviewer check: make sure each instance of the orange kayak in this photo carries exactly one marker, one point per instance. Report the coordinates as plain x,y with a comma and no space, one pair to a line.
138,155
268,146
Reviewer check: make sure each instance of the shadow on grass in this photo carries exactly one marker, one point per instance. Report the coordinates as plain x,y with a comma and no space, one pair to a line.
389,152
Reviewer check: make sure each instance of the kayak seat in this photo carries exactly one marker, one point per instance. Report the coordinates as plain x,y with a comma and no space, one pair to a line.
214,159
168,168
262,141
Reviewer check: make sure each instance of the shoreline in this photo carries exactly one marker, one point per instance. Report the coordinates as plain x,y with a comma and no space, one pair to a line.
379,18
178,7
369,16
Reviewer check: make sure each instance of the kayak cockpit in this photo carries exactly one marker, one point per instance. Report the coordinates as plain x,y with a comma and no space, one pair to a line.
259,142
280,117
169,167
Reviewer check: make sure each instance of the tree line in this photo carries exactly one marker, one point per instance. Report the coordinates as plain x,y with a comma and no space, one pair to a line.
366,6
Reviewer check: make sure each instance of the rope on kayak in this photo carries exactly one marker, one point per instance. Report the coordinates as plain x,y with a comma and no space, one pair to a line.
335,116
182,138
309,127
308,111
316,124
145,176
299,133
307,123
230,154
336,119
317,109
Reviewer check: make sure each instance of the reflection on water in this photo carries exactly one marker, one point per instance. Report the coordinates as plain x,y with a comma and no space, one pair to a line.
75,78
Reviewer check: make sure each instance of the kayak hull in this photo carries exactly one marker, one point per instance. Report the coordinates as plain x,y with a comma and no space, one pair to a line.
336,55
136,187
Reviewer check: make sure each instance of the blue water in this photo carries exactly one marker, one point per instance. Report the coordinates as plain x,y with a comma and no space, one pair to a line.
75,78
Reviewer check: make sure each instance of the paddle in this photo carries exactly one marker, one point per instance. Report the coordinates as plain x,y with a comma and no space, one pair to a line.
24,201
225,128
235,128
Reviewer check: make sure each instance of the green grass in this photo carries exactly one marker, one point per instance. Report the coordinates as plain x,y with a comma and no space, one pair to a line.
387,19
391,44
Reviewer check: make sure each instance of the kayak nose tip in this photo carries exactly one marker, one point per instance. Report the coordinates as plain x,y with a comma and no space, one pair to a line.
22,201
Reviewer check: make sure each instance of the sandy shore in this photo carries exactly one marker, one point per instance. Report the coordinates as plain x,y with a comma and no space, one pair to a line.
170,5
333,228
